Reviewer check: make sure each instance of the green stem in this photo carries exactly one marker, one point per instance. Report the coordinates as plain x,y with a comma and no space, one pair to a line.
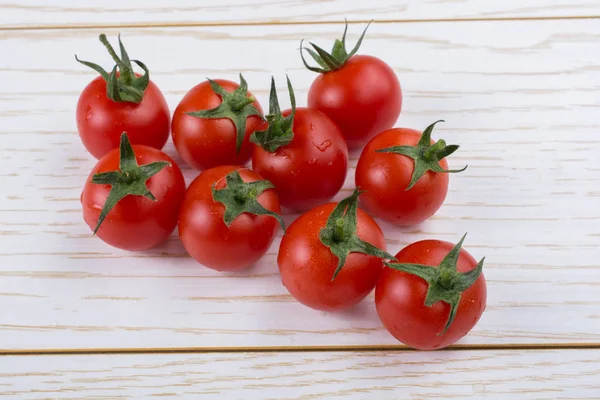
126,87
242,193
430,154
446,279
128,177
340,233
426,156
445,283
279,131
338,230
126,72
240,197
334,60
238,105
129,180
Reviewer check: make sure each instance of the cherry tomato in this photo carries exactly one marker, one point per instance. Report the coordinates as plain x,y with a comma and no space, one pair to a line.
331,256
132,196
415,303
360,93
213,122
128,102
231,227
403,173
303,153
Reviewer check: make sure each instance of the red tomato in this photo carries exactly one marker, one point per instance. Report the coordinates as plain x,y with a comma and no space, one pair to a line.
102,118
136,222
308,169
363,98
386,176
308,266
400,297
312,168
205,142
360,93
202,228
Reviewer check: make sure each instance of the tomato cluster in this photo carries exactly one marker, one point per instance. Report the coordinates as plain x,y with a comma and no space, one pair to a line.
428,295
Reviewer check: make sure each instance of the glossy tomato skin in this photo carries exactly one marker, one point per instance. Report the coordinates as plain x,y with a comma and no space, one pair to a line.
101,121
385,176
136,222
312,168
363,98
400,299
205,143
206,237
306,265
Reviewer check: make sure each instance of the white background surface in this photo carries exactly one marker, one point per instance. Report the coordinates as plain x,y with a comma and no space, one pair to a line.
521,97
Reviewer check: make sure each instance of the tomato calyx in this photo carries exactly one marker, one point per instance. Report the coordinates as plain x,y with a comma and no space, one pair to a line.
240,197
445,283
337,58
236,106
339,233
279,131
130,179
425,155
126,87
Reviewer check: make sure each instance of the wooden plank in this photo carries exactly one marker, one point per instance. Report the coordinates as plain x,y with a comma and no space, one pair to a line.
521,99
32,13
520,374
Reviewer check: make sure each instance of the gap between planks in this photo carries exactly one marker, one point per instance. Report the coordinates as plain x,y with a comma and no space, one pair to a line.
295,349
276,23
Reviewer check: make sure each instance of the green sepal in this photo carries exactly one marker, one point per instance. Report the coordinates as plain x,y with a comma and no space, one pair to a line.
339,234
444,282
240,197
426,156
127,87
338,56
130,179
279,131
236,106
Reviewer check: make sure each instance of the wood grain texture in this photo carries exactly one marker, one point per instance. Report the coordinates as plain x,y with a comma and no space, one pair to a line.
34,13
519,375
522,99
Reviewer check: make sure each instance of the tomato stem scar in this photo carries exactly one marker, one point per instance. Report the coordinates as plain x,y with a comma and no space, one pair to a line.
236,106
339,234
240,197
425,155
123,86
279,132
130,179
337,58
444,282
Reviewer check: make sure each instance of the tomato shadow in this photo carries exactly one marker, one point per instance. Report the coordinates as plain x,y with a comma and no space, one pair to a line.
288,217
172,248
398,237
176,256
365,310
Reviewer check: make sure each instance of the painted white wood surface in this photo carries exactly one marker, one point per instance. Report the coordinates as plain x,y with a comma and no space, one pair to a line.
27,13
522,99
518,375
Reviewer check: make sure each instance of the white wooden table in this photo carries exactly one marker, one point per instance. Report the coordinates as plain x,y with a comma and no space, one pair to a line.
518,83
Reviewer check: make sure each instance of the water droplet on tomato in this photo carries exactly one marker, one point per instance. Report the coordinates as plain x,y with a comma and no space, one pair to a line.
89,113
324,145
312,127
